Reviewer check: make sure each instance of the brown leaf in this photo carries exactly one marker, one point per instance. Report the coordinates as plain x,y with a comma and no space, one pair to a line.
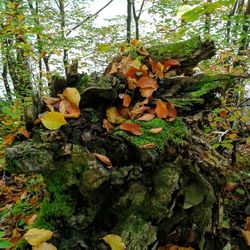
161,109
132,83
9,139
147,92
133,128
143,52
146,117
68,109
157,68
30,219
149,145
103,159
107,125
171,111
147,82
126,100
156,130
246,236
25,133
169,63
51,100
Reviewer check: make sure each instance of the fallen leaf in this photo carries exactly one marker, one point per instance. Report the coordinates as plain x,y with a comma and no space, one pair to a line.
36,236
147,92
147,82
133,128
30,219
68,109
246,236
51,100
161,109
103,159
113,116
44,246
53,120
73,95
149,145
114,241
8,140
25,133
126,101
156,130
134,42
107,125
171,111
157,68
146,117
169,63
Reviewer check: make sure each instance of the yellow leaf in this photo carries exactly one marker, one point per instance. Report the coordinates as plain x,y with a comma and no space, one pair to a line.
115,242
44,246
248,140
53,120
73,95
36,236
11,5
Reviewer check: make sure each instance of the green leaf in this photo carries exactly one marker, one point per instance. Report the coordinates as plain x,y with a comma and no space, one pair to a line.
5,244
193,196
2,233
240,191
115,242
53,120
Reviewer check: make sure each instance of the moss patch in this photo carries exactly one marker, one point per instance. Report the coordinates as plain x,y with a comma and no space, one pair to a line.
175,50
173,132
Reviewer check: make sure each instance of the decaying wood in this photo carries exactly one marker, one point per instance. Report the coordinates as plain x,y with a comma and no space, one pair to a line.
156,192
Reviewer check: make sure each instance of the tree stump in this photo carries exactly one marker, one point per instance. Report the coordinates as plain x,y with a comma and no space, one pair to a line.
153,195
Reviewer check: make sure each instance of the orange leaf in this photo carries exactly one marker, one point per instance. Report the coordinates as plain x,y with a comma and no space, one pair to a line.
133,128
103,159
146,117
134,73
126,100
51,100
73,95
171,111
8,140
157,68
107,125
169,63
147,82
25,133
223,114
149,145
68,109
147,92
161,109
30,219
134,42
156,130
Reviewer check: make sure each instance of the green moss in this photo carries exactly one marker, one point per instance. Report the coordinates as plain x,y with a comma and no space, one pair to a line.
184,102
22,207
21,245
173,132
175,50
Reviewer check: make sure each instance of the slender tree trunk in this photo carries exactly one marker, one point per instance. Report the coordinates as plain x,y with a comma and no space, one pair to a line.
5,75
207,21
129,20
137,17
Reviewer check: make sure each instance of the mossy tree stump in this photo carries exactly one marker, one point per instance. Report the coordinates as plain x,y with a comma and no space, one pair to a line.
150,197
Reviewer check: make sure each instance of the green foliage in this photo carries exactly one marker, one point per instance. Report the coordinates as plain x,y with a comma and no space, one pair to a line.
4,243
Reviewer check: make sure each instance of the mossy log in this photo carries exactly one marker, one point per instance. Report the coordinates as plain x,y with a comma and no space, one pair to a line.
152,195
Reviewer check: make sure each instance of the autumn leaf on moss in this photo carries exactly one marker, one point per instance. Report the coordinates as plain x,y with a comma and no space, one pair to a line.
25,133
133,128
9,139
113,116
73,95
146,117
165,110
156,130
36,236
53,120
114,241
103,159
169,63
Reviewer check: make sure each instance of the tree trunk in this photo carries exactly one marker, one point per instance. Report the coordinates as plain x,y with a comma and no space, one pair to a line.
129,19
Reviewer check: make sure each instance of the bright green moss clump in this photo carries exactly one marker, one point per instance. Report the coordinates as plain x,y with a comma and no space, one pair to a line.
173,132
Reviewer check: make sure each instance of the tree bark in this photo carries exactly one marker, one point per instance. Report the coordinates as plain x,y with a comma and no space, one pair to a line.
129,20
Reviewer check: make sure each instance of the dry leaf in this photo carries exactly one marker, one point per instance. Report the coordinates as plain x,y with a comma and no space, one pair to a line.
169,63
113,116
44,246
149,145
147,92
126,101
147,82
133,128
157,68
114,241
68,109
107,125
36,236
103,159
30,219
156,130
146,117
8,140
161,109
246,236
53,120
25,133
73,95
51,100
